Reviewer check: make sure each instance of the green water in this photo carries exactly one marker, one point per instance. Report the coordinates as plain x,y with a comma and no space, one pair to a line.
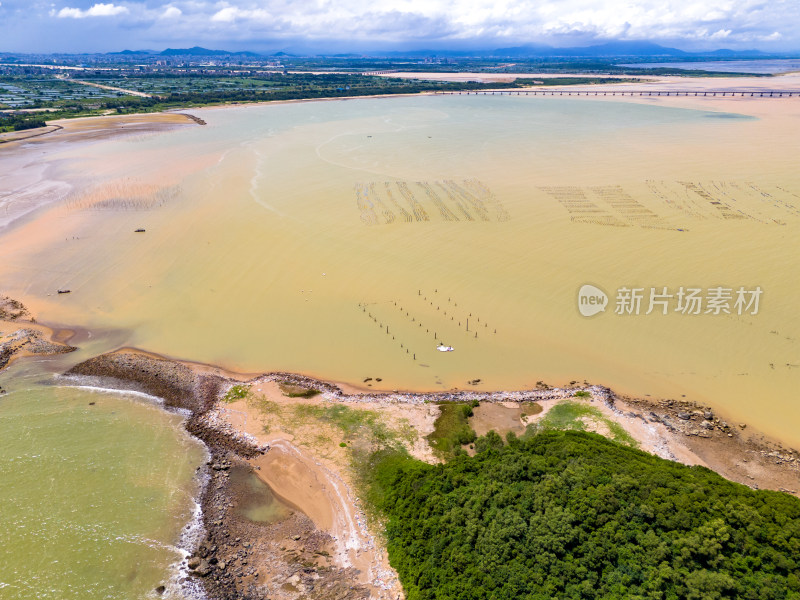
257,500
93,498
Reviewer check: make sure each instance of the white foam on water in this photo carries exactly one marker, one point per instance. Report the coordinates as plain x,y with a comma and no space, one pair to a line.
181,584
120,392
103,390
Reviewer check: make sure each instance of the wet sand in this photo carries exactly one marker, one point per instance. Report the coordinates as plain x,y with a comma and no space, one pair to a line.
96,127
21,336
15,136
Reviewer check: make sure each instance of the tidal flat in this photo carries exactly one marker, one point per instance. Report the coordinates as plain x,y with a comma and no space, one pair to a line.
346,239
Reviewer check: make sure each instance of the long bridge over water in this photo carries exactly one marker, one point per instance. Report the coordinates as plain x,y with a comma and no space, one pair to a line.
727,93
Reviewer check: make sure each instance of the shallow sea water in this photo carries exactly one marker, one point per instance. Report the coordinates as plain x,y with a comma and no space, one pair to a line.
90,508
348,239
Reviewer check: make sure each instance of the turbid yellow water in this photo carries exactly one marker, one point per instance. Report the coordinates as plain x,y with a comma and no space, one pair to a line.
292,236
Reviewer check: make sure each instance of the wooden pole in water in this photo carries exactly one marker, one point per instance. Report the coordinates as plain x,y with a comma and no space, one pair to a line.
467,324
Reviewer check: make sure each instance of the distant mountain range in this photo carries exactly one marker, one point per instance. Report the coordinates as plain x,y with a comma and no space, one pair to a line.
620,49
194,51
617,49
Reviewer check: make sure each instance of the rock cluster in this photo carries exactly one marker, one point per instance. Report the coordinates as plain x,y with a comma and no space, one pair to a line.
31,341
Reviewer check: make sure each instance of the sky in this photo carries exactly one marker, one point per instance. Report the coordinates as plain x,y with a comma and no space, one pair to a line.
75,26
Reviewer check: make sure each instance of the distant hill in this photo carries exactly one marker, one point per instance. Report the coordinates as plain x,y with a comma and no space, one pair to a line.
724,53
641,50
198,51
133,52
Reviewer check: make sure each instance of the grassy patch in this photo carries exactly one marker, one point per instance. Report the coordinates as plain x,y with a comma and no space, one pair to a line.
297,391
452,429
353,423
406,432
530,408
323,441
237,392
264,406
582,394
573,416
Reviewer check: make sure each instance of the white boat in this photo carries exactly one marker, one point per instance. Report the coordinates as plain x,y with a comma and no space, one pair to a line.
443,348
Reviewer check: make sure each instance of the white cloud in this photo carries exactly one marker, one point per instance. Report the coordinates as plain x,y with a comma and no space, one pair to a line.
232,13
440,23
171,12
97,10
513,21
226,15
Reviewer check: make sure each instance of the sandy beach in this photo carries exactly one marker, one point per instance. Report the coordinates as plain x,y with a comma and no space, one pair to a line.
97,126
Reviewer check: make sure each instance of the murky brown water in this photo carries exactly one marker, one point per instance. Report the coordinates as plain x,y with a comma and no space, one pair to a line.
291,236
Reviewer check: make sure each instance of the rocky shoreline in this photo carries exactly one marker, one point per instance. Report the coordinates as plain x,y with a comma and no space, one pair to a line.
242,559
181,388
695,425
237,558
752,460
23,336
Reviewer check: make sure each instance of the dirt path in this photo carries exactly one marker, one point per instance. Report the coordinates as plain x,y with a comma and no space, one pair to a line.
112,88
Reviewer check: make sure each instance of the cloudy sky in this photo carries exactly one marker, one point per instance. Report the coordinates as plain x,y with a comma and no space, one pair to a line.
360,25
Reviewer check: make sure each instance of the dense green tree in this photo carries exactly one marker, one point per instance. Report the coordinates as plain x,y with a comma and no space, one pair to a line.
573,515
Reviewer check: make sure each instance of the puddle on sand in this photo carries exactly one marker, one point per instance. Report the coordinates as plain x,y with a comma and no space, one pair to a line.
257,501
